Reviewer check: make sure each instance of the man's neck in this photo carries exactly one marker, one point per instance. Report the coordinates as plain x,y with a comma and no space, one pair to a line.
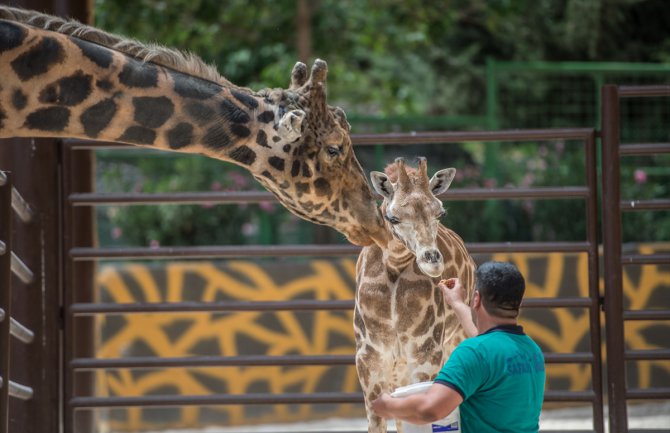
487,323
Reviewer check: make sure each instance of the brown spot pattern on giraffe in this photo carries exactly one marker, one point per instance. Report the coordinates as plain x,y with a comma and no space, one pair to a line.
39,59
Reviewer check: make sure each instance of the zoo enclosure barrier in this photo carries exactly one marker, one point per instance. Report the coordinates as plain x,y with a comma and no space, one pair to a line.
80,306
11,203
613,205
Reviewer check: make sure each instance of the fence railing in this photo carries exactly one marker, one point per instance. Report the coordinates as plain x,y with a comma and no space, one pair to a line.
613,205
589,246
11,202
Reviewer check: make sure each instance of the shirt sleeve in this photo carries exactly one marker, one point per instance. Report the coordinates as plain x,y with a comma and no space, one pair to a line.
465,371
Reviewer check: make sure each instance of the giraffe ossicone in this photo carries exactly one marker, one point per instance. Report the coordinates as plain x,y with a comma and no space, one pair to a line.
61,78
403,327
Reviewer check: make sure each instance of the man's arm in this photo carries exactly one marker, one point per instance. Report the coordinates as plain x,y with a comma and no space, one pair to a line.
454,295
438,402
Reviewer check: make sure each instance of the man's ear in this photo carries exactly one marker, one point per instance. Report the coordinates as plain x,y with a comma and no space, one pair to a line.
476,301
441,180
381,184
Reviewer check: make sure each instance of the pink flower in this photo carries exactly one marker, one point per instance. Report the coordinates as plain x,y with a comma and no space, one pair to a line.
266,206
528,180
215,186
117,232
249,229
490,183
154,243
640,176
239,180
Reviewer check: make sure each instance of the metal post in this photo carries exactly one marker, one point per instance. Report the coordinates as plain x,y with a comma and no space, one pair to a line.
614,332
5,298
594,309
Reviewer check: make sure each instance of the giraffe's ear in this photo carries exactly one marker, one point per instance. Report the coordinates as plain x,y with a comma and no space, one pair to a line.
290,125
441,180
381,184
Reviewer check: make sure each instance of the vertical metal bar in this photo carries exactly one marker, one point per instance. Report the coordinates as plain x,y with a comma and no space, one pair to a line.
68,295
78,334
614,332
5,298
594,310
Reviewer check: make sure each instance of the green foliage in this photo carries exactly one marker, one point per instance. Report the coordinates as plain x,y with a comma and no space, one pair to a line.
170,225
405,58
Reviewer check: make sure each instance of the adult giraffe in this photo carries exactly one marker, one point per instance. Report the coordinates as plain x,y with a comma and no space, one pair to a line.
404,329
61,78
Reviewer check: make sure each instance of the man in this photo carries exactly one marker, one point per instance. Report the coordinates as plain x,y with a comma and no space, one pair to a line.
497,376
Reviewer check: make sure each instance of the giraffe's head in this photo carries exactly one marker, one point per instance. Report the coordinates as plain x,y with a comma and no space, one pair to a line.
322,181
412,209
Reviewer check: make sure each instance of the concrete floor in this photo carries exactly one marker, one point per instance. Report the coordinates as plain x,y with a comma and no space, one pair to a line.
642,416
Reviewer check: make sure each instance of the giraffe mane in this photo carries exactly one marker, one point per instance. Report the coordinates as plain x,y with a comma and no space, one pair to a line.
185,62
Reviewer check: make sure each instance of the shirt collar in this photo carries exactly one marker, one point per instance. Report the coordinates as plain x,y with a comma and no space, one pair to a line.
511,329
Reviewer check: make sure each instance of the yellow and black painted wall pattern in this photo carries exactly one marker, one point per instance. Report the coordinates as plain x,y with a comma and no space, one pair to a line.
320,332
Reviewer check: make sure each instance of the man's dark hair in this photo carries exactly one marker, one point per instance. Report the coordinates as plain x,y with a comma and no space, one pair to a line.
501,287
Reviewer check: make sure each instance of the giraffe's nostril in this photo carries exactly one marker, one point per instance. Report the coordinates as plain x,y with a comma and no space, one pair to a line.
433,256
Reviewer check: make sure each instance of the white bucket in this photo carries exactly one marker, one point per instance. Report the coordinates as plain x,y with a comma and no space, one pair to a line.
450,423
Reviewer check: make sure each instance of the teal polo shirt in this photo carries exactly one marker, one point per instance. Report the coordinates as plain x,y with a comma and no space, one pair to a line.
500,375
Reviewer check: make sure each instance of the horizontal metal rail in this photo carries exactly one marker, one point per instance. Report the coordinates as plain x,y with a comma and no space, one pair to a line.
209,361
21,270
217,399
412,137
224,251
648,393
644,355
262,398
241,197
646,315
152,362
88,309
238,251
643,91
17,390
572,302
645,259
469,136
644,148
645,205
20,332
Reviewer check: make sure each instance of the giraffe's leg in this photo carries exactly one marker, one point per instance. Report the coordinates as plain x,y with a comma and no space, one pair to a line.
376,424
372,368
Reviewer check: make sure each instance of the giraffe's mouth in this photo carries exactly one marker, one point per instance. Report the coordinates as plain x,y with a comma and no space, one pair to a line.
433,270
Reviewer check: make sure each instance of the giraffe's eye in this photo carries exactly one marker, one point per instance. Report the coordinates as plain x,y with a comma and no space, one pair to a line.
333,151
393,220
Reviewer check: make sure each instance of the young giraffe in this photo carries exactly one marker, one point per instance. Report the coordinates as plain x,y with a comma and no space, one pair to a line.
404,330
64,79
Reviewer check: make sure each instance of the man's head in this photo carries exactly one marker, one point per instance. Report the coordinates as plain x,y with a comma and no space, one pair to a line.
500,288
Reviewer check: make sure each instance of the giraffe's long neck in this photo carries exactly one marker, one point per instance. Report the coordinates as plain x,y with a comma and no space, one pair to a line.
61,86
